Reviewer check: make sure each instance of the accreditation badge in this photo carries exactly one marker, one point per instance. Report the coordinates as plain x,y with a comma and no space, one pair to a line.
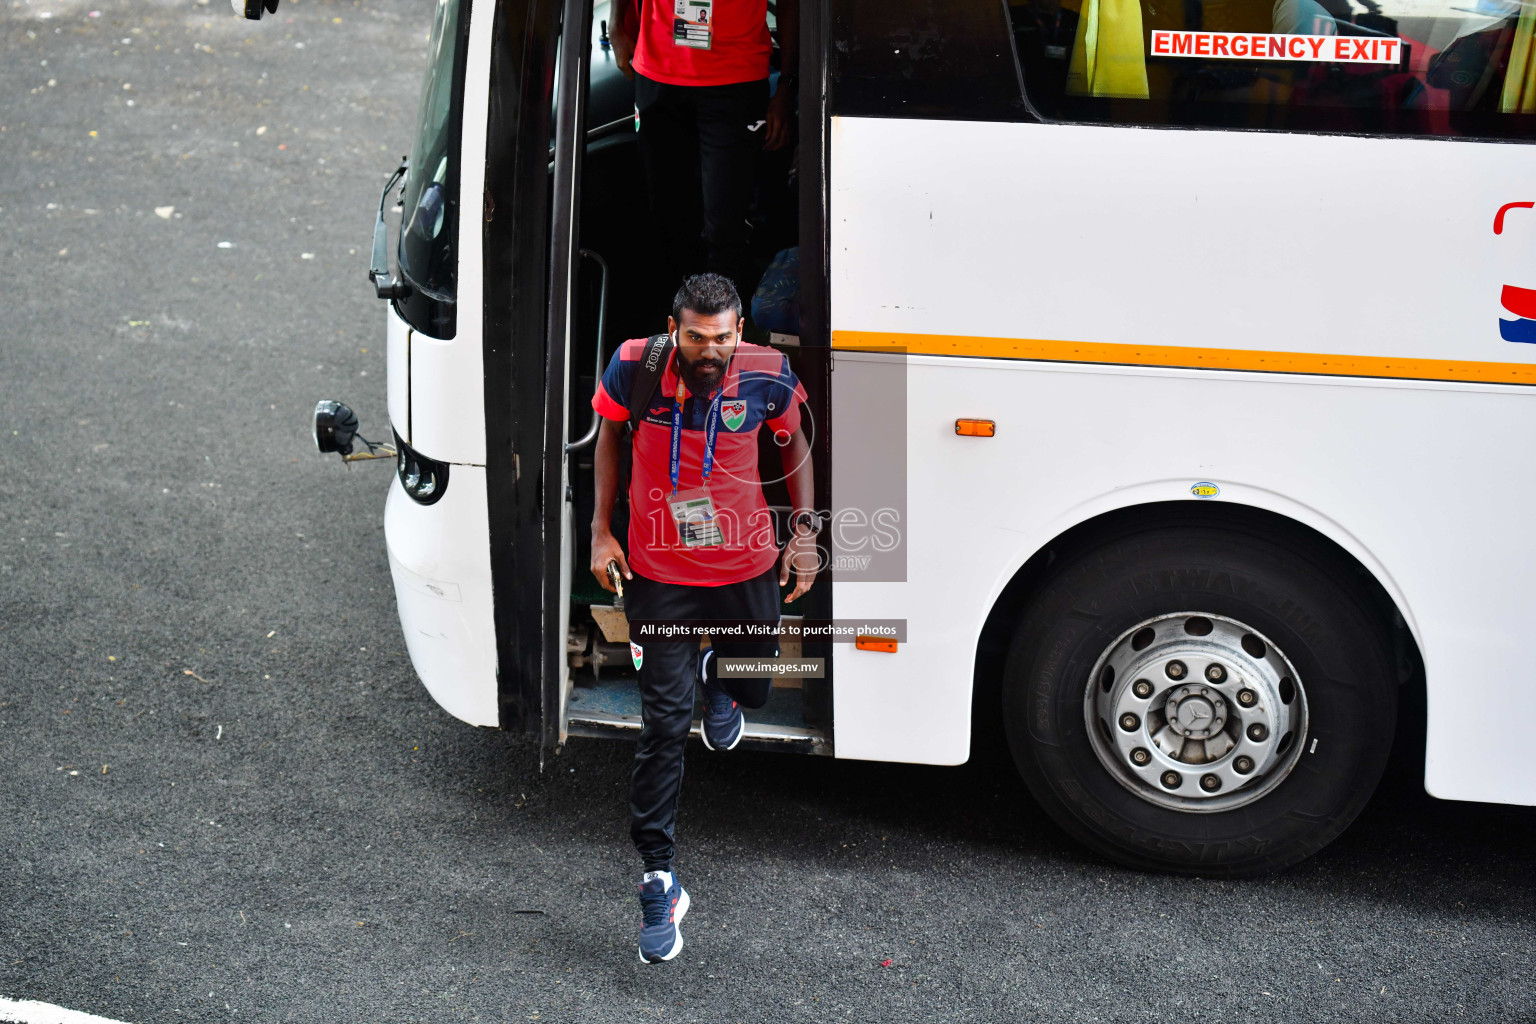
694,513
693,23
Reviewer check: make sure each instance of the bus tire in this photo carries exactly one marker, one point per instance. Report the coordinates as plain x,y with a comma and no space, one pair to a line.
1155,783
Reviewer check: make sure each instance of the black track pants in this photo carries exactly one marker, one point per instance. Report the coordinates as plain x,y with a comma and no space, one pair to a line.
668,672
700,145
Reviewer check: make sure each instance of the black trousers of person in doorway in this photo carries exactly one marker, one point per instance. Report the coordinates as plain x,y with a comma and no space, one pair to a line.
700,145
668,674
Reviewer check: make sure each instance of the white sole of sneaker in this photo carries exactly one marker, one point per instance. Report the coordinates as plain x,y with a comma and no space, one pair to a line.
677,947
730,746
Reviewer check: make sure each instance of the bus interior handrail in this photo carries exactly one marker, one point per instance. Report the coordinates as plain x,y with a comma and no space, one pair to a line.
597,373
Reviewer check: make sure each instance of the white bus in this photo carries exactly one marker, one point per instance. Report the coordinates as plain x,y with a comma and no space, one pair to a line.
1169,375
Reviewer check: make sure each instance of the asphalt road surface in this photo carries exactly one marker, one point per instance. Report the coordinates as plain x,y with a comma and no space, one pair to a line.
223,793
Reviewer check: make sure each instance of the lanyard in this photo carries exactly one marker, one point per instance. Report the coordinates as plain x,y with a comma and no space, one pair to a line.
711,425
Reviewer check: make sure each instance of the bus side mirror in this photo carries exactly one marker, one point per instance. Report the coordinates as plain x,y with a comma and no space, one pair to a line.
336,431
335,426
252,9
385,286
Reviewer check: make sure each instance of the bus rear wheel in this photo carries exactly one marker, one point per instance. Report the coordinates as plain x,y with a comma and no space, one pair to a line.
1201,701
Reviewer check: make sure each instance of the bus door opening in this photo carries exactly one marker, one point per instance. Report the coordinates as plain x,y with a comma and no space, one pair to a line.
620,294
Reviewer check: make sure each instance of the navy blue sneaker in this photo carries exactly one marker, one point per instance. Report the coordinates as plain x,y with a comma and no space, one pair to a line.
723,720
663,902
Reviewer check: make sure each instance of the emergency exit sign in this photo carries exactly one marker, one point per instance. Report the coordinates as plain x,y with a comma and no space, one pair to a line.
1264,46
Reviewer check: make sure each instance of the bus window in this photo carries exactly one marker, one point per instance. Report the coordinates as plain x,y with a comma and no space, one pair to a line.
429,223
1396,67
943,59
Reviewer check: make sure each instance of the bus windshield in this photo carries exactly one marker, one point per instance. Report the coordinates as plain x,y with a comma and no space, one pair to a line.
430,200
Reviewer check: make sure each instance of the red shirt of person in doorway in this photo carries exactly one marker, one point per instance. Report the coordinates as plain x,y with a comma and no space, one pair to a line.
758,389
740,47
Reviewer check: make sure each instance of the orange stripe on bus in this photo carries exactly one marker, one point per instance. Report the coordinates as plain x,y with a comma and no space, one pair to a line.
1179,356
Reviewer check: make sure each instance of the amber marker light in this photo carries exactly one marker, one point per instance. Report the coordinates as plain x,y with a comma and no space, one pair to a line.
975,428
876,643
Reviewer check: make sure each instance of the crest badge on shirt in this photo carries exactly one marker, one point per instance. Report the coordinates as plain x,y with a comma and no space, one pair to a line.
733,414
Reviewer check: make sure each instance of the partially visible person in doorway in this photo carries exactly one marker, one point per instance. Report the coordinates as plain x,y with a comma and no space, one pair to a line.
701,546
701,70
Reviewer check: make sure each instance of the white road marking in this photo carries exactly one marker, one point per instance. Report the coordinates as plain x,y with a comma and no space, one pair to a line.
30,1011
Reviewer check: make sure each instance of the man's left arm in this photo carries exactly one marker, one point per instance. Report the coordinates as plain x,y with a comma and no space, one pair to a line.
781,109
800,553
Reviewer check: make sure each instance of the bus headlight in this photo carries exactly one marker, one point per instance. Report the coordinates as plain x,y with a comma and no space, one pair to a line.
423,479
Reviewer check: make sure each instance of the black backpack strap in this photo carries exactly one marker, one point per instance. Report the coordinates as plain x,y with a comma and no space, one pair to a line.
653,361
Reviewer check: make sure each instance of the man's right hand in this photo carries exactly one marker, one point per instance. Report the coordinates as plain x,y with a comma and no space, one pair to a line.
605,549
623,53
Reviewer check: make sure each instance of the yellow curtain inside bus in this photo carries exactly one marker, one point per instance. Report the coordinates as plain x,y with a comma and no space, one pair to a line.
1520,79
1109,55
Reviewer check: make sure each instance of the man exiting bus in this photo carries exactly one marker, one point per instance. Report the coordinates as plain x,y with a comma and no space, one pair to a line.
701,93
701,546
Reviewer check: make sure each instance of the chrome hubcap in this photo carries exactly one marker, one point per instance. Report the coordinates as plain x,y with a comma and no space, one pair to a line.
1196,712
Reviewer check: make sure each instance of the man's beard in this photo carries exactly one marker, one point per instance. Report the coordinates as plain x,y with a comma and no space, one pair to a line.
697,374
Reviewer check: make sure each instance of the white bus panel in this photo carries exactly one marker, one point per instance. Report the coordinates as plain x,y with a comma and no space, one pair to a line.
1230,247
440,558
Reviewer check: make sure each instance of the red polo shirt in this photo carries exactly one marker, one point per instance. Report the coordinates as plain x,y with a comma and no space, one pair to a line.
739,44
760,389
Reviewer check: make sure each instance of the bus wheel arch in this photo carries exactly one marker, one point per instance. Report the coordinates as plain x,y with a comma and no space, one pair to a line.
1278,562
